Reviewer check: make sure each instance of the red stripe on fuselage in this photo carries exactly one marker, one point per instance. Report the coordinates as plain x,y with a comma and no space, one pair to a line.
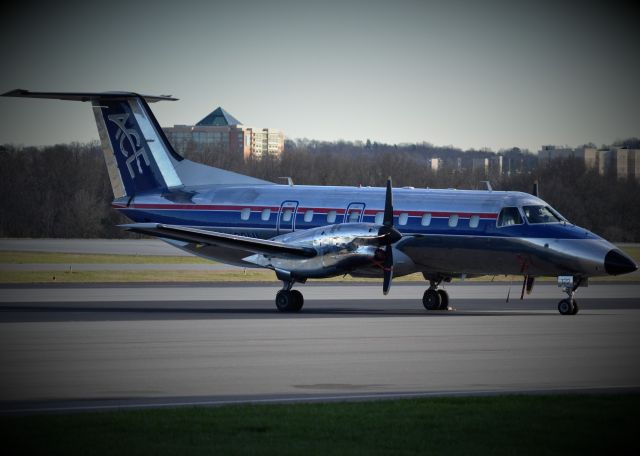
321,210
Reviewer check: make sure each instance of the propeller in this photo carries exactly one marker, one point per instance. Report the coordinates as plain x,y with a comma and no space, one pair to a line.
390,235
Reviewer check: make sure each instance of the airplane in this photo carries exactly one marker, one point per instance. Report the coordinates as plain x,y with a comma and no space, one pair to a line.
306,231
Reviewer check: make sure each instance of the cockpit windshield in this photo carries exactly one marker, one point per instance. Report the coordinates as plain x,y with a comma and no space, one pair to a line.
509,216
541,214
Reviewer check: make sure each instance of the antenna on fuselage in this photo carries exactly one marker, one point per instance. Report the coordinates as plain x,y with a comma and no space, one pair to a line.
289,180
535,189
488,185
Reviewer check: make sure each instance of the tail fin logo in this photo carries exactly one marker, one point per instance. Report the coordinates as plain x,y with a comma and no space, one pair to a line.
130,145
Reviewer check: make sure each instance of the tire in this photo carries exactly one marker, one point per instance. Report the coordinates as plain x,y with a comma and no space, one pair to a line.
575,307
566,307
431,299
285,301
298,300
444,300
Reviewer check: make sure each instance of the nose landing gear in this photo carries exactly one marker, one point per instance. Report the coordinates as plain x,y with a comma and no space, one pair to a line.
569,306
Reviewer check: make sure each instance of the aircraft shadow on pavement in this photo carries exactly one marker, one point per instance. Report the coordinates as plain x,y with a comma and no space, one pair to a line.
57,312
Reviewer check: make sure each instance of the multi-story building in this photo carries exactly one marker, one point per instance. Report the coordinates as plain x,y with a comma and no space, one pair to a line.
588,154
480,164
221,130
551,152
265,142
626,160
605,162
496,164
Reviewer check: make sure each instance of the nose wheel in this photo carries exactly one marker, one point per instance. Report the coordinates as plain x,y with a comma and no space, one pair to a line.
569,306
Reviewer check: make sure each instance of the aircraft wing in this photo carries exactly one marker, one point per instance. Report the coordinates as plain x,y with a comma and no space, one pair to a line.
198,236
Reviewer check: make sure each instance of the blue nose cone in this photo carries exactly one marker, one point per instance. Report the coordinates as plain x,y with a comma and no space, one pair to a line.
616,263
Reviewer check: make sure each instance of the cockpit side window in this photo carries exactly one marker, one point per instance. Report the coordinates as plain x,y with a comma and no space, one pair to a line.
541,214
509,216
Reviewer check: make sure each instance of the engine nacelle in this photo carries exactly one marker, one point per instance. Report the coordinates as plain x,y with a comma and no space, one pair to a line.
341,249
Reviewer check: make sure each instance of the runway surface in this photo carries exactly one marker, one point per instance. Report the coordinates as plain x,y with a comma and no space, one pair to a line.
102,347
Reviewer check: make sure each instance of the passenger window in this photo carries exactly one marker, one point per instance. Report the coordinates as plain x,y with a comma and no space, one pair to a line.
426,220
404,217
308,216
509,216
379,218
453,220
354,216
286,215
245,213
266,214
474,221
331,217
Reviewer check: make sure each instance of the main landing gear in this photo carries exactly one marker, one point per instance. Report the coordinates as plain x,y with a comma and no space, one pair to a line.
288,300
569,306
435,298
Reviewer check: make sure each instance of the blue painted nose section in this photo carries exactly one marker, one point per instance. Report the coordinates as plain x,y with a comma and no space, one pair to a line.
616,263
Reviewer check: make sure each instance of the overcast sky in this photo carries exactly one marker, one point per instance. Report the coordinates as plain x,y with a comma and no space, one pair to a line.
468,74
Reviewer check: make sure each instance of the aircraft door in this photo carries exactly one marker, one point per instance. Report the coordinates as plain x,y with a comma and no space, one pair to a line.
287,217
354,213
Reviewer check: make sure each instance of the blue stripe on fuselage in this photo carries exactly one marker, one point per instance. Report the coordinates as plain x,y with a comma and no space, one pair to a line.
439,225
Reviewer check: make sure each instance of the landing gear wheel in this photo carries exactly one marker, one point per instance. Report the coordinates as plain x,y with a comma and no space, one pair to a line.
431,300
298,300
575,307
288,301
567,307
444,300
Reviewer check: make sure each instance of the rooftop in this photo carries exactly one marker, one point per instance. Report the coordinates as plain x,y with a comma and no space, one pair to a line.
219,118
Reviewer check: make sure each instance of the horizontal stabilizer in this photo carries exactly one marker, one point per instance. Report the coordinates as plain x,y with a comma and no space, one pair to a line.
198,236
86,96
139,157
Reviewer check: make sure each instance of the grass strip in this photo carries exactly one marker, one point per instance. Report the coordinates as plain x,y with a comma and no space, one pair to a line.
134,276
500,425
12,257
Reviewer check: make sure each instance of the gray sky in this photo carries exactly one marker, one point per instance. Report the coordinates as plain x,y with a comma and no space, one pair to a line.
468,74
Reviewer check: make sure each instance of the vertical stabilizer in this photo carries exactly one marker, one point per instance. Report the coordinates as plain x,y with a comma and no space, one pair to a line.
138,156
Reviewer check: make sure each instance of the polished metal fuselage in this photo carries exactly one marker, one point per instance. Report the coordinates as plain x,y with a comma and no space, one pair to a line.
445,232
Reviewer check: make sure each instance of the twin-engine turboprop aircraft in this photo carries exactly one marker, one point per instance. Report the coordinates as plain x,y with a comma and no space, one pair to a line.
303,232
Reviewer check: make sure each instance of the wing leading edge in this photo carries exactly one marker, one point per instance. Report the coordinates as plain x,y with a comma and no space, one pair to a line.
253,245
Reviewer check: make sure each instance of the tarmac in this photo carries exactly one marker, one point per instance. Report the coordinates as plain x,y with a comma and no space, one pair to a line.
100,347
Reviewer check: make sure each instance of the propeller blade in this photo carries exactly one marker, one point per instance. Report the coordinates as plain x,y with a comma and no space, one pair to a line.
387,269
387,232
388,206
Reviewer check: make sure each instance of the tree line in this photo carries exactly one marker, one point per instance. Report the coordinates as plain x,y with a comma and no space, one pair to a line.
64,190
